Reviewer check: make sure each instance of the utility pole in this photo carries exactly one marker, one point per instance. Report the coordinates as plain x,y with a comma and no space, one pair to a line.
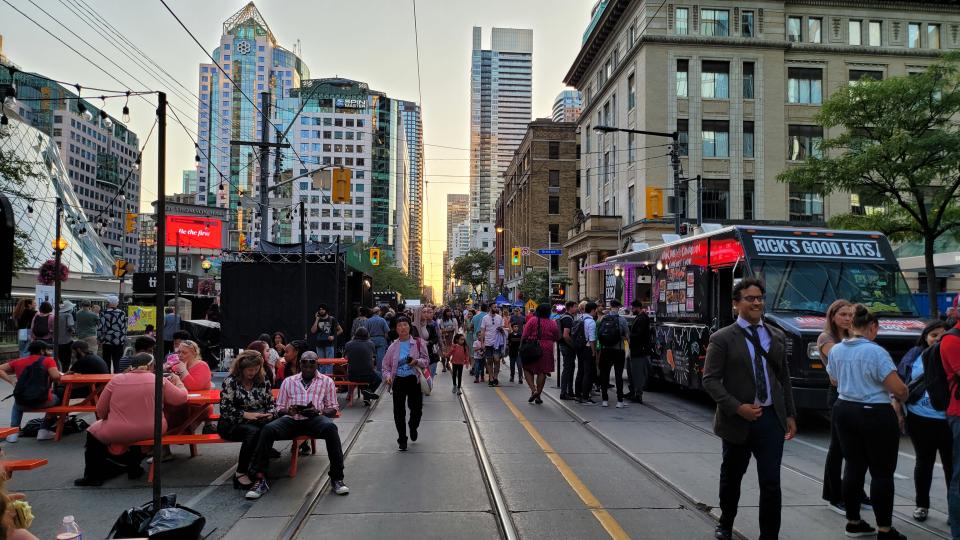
161,254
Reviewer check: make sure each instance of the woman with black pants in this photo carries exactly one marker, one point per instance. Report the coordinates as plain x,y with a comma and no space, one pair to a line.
404,356
246,405
927,427
866,377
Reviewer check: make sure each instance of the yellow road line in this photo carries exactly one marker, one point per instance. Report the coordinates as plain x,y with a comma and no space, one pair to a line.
606,520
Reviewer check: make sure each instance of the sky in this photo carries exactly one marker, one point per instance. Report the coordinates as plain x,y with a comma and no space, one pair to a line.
371,41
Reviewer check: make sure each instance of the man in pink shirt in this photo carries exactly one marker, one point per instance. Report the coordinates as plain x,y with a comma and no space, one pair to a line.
306,402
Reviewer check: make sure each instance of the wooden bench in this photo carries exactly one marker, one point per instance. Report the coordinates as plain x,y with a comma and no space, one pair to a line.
21,465
61,412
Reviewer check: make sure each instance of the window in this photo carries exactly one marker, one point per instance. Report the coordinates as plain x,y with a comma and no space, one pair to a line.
683,68
715,198
748,139
682,17
746,24
554,205
805,85
716,138
631,92
933,36
715,80
748,80
715,22
805,206
794,28
854,32
913,35
748,199
856,75
874,34
554,150
554,179
633,35
631,148
803,142
815,30
631,205
554,233
683,136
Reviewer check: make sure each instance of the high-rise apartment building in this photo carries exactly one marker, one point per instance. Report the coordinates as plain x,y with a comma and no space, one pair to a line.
500,108
567,106
413,126
189,181
458,211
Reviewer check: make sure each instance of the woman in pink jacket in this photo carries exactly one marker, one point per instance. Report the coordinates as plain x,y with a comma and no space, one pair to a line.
125,412
405,355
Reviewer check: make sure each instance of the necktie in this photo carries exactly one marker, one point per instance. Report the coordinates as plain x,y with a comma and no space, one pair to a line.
758,353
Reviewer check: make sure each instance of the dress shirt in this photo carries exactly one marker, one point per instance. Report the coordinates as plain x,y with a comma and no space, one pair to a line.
321,392
764,336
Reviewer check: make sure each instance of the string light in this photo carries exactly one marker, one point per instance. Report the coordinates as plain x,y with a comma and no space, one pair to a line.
126,109
3,119
104,118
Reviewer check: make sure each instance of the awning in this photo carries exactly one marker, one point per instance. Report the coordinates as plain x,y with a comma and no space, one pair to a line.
500,300
611,265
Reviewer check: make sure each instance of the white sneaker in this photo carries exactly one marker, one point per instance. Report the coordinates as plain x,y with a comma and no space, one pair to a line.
619,404
13,438
605,404
45,435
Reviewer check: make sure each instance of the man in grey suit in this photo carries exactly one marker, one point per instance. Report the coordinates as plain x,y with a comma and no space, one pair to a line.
755,410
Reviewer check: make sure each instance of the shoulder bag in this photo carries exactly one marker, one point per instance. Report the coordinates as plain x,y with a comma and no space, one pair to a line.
423,378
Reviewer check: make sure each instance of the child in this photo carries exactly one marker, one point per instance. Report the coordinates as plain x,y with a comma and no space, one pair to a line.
513,341
478,361
459,357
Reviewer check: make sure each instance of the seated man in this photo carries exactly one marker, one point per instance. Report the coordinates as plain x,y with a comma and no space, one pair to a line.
305,401
361,355
85,362
28,384
143,344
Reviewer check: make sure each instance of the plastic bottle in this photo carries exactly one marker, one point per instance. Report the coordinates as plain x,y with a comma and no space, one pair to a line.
69,530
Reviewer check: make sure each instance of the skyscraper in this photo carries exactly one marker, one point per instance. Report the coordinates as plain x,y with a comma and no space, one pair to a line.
458,211
567,106
500,109
413,125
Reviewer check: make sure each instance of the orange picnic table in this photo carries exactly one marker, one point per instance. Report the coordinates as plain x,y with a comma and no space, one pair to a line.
95,384
4,432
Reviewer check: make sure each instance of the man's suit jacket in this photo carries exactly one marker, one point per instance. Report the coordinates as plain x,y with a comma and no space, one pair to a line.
728,377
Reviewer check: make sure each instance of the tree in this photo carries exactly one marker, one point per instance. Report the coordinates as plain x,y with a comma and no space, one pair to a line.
535,285
473,267
900,149
387,277
14,173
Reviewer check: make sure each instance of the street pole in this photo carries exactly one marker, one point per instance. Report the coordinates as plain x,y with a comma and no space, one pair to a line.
699,202
264,157
161,254
176,276
549,271
675,163
57,288
303,267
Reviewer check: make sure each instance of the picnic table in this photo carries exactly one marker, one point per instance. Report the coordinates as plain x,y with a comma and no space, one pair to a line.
4,432
95,384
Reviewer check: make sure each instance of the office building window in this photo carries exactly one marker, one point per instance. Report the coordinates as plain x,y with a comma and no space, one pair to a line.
805,85
715,198
805,206
933,36
794,29
631,92
803,142
553,205
631,148
874,34
913,35
631,205
748,80
554,233
682,16
716,138
683,136
715,22
855,32
746,24
748,199
815,30
748,139
715,80
683,69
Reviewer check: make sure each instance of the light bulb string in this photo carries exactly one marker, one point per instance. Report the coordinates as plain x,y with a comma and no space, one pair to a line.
12,72
77,98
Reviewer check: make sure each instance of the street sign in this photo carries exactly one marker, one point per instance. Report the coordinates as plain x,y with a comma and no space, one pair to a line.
525,251
550,251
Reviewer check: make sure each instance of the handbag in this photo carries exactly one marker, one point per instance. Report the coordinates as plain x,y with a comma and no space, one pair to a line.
423,377
916,389
530,350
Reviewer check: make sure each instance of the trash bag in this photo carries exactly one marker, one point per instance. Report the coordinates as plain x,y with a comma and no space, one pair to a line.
172,522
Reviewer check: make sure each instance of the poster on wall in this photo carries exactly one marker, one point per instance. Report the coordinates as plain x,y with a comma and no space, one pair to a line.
138,317
662,287
45,293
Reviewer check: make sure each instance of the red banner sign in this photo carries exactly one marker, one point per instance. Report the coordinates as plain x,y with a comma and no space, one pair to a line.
194,232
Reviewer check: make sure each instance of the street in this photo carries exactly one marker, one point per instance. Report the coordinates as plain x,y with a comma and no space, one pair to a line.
555,470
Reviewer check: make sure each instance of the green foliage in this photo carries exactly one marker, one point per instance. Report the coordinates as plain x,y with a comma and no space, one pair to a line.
387,277
899,148
14,173
535,286
473,267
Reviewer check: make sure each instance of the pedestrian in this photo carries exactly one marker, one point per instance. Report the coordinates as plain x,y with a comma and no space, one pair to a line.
112,333
746,373
279,342
404,357
513,344
517,318
39,358
363,314
459,357
87,322
378,329
638,365
866,422
544,330
612,330
492,334
41,325
246,406
305,405
325,331
67,325
478,361
361,358
568,353
427,330
171,325
468,328
448,329
950,358
927,427
22,317
584,337
839,317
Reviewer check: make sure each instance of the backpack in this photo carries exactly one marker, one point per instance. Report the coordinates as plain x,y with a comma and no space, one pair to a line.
608,332
41,325
935,377
33,385
578,334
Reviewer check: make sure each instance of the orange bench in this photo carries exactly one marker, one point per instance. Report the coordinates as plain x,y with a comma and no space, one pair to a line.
4,432
352,388
21,465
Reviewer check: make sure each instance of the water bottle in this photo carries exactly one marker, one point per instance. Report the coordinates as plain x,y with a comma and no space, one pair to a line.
69,530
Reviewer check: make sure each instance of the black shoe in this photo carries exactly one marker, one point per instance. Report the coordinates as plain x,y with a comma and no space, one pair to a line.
722,533
532,397
403,444
538,401
892,534
339,488
862,528
565,396
237,484
209,429
304,448
274,454
490,384
589,401
413,434
370,395
88,482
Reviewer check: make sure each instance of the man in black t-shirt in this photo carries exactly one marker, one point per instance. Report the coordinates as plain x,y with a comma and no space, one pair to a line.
640,346
325,330
567,351
361,357
86,363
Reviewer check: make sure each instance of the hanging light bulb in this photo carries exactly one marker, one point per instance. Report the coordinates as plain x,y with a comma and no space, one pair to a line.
136,164
29,209
104,119
3,119
126,109
221,187
10,102
121,198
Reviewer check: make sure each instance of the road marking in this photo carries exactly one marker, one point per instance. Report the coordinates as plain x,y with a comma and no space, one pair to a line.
606,519
192,503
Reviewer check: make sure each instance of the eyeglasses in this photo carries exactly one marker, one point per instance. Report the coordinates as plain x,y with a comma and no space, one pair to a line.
752,299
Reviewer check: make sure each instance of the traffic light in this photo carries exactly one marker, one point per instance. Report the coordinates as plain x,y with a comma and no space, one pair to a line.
119,268
130,225
684,229
515,256
341,185
375,256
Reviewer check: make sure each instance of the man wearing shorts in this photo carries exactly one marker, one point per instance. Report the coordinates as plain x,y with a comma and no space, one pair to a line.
492,334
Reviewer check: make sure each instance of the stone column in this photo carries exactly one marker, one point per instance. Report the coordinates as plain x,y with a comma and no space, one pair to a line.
573,273
594,278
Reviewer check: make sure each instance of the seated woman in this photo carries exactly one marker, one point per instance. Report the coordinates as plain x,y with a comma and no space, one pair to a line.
264,349
125,412
196,377
246,405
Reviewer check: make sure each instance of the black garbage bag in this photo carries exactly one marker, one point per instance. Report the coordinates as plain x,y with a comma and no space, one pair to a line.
172,522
